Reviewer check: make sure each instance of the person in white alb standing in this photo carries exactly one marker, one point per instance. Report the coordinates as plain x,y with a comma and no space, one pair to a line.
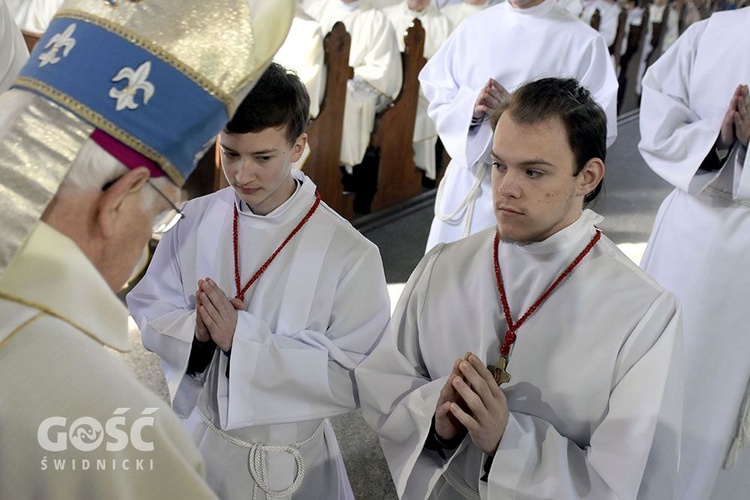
695,129
486,57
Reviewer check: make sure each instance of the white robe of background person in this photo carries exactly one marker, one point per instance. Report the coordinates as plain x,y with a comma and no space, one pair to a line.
596,391
667,17
459,11
311,318
437,28
33,15
303,52
513,46
378,72
634,19
13,51
60,325
571,7
609,17
699,245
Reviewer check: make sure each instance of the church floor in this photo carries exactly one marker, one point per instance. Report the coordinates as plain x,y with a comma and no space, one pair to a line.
631,196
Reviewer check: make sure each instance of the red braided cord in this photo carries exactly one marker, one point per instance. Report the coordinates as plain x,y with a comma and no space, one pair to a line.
241,292
510,335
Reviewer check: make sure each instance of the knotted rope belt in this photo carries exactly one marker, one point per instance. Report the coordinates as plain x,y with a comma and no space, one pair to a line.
468,203
257,458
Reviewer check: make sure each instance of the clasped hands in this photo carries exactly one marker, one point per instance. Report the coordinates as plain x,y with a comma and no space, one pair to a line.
736,124
216,314
491,97
472,401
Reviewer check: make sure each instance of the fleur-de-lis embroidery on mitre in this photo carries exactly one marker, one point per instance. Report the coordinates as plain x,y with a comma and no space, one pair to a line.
136,81
63,41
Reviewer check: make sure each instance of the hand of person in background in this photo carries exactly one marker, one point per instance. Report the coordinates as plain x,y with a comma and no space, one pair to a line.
491,97
736,124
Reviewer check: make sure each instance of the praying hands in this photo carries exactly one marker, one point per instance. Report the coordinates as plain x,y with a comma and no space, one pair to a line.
491,97
216,314
736,124
472,400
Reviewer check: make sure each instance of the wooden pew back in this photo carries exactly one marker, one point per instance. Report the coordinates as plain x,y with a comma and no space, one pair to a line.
616,47
398,177
596,20
324,133
31,39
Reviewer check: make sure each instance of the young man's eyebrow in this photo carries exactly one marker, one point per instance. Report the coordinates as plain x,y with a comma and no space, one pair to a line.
525,163
265,151
536,161
259,152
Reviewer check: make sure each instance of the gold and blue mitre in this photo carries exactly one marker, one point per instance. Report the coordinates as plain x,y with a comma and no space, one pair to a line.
160,76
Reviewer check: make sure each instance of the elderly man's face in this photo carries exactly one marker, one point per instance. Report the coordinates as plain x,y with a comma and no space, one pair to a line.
133,231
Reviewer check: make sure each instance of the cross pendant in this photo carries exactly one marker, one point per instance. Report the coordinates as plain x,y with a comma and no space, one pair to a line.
498,372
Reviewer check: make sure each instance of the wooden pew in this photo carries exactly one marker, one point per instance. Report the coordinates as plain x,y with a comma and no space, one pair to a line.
31,38
615,49
596,20
628,71
657,34
324,133
398,177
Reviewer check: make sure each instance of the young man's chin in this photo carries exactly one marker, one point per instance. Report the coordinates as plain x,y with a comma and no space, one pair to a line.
515,236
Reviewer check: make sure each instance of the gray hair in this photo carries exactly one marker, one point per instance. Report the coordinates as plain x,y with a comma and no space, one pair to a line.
93,168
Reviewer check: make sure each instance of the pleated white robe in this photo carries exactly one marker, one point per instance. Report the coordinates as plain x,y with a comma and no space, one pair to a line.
595,395
33,15
698,247
14,53
459,11
303,52
376,61
527,44
310,319
609,13
437,28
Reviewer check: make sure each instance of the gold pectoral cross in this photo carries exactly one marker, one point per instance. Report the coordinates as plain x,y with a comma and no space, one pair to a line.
498,372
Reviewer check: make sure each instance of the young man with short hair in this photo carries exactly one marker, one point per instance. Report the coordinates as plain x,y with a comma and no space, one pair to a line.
261,303
533,359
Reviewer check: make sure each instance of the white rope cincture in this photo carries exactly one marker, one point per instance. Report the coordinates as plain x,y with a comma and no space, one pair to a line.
257,464
467,204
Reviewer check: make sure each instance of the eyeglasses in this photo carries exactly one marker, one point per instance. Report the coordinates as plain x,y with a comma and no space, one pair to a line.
167,219
164,221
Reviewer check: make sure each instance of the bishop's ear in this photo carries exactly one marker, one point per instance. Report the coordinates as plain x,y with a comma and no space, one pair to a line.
590,176
118,198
